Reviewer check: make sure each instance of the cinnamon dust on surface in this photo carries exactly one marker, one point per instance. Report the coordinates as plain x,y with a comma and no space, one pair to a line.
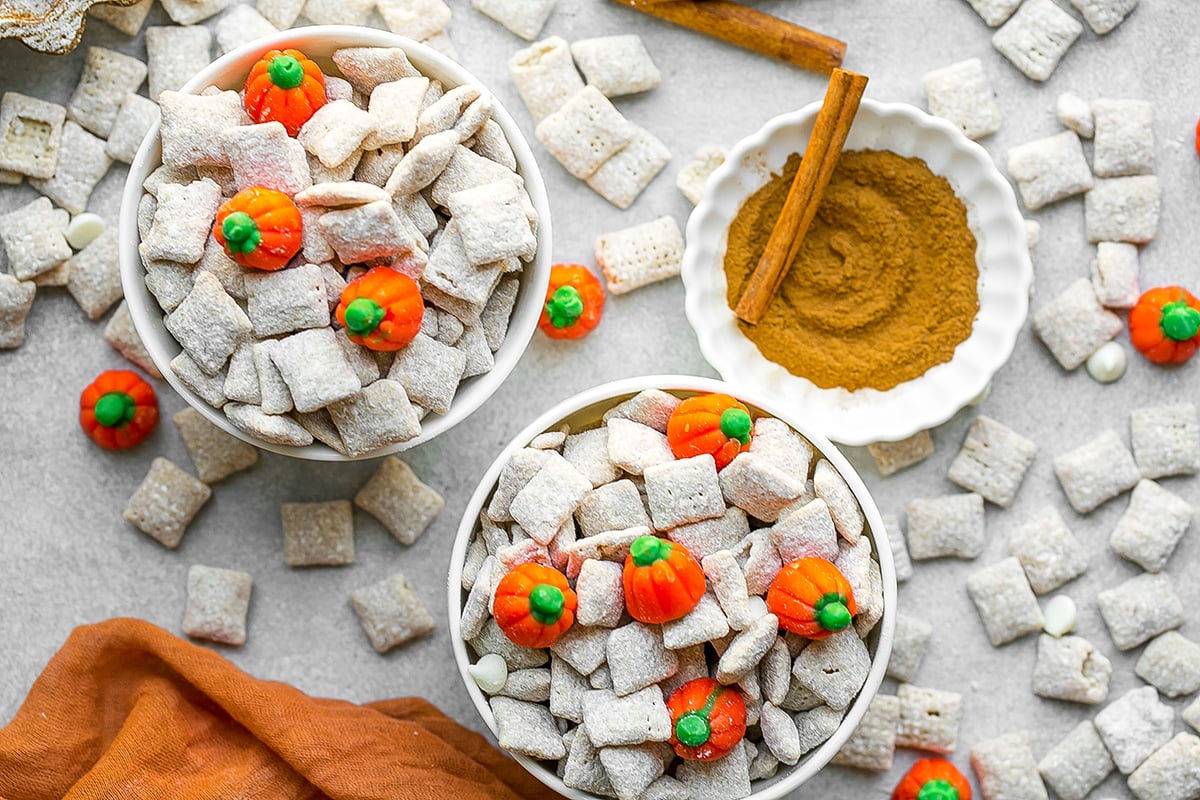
885,284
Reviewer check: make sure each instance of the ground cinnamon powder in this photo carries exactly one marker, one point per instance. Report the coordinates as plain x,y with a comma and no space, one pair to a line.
884,285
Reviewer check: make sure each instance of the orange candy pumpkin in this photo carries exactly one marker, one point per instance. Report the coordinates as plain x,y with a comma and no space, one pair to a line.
716,424
707,719
118,409
381,309
533,605
811,597
259,228
662,580
574,302
1164,325
932,779
284,87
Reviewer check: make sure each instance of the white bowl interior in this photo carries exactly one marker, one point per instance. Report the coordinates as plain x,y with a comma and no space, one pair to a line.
585,410
1005,274
319,42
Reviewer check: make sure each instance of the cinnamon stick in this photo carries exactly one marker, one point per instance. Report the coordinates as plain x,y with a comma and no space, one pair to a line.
830,130
745,27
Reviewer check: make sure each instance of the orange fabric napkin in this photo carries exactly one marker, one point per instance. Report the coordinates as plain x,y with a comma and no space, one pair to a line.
126,711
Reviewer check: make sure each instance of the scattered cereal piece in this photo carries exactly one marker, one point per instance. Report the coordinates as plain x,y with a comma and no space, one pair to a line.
817,724
909,647
276,399
616,65
1124,143
166,502
264,155
174,55
81,165
1140,609
621,178
928,718
729,587
1123,209
1005,601
338,12
545,76
1006,769
316,534
215,454
217,603
1191,714
286,300
703,623
527,728
492,224
430,372
1096,472
1171,664
1070,668
831,487
1115,274
34,238
1104,15
1050,169
1048,553
315,369
391,613
367,67
530,685
636,718
900,557
525,18
135,117
584,132
417,19
209,324
1075,113
107,77
588,452
640,255
637,658
549,498
994,12
1037,37
651,407
993,461
683,491
1077,764
209,388
613,506
270,428
399,500
16,298
1171,773
336,131
1166,440
394,106
182,221
726,778
600,594
834,668
873,742
946,526
754,484
126,19
31,132
694,175
962,94
1151,526
1134,726
376,416
891,457
807,532
582,769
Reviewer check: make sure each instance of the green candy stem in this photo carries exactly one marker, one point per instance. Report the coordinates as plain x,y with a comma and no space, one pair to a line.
648,549
1180,321
735,424
546,604
115,409
831,612
938,790
565,306
692,729
241,232
286,72
364,315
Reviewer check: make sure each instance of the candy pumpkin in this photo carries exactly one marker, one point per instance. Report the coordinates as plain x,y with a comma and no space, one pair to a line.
715,424
284,87
1164,325
533,605
662,580
381,309
118,409
811,597
707,719
574,302
259,228
932,779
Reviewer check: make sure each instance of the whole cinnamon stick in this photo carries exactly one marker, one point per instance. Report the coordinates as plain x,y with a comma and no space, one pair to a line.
830,130
745,27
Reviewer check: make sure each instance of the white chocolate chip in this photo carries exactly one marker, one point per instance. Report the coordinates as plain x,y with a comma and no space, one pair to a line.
83,229
1059,615
490,673
758,606
1108,363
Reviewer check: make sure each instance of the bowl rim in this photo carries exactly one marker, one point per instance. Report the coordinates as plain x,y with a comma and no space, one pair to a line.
147,314
817,758
707,222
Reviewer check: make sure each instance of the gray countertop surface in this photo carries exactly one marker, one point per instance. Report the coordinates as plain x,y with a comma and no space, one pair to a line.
67,558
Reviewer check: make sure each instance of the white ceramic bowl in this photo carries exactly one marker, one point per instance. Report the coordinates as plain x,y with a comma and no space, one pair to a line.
583,411
319,42
1005,274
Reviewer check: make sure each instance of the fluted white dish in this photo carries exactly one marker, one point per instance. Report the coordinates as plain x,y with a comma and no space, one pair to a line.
1002,255
585,410
319,42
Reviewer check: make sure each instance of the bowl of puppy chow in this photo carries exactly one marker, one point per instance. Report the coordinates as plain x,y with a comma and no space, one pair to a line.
667,587
336,243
